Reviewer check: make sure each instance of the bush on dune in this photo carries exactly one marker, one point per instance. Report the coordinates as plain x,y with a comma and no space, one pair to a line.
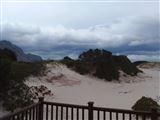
124,64
5,69
145,104
16,97
82,67
139,62
102,64
20,70
7,54
12,75
106,71
68,62
6,59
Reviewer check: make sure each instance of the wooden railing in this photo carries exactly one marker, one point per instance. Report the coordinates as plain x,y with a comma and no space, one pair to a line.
61,111
32,112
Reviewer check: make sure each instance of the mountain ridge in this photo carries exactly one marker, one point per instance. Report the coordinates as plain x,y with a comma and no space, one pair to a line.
21,56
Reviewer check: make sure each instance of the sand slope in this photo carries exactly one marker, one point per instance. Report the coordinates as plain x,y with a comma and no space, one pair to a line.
71,87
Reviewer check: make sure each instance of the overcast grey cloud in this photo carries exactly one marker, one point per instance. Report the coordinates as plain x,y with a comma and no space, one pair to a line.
60,29
127,33
75,15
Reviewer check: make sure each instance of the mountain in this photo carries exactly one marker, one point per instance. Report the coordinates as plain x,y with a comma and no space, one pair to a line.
137,63
21,56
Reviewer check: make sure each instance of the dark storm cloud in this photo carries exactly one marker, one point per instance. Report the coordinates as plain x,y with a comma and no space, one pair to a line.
127,35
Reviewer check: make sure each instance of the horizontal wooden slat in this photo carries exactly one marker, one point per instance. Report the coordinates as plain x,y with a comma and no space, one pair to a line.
32,111
23,110
122,111
67,105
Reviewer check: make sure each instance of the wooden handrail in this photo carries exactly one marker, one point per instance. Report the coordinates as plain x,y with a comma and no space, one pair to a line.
122,110
66,105
100,108
25,112
19,111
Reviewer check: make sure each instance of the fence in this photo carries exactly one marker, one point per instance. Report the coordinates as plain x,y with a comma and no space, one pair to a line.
60,111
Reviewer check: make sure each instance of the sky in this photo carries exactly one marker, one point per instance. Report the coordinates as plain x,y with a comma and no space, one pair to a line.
67,28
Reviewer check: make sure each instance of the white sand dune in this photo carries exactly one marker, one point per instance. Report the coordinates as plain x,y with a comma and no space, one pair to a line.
68,86
71,87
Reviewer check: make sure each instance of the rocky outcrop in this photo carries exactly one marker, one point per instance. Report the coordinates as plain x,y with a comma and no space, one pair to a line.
21,56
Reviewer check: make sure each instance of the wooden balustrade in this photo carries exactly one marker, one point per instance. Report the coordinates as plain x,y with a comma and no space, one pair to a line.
60,111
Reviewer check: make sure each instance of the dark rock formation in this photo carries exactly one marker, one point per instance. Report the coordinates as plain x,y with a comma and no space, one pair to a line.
21,56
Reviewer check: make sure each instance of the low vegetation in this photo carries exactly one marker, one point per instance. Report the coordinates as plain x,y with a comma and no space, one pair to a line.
102,64
12,76
99,63
139,62
145,104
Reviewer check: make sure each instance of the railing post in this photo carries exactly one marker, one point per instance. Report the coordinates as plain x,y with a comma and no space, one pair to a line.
40,115
90,110
154,115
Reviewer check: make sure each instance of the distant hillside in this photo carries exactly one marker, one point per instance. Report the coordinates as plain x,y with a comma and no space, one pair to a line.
139,62
21,56
102,64
149,65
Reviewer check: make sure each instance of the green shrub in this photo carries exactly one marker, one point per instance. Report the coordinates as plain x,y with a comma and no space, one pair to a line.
124,64
82,67
139,62
102,64
106,70
13,91
6,59
20,70
7,54
17,97
5,69
145,104
68,62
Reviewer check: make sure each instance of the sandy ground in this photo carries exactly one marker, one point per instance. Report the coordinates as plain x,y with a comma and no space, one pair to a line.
68,86
71,87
